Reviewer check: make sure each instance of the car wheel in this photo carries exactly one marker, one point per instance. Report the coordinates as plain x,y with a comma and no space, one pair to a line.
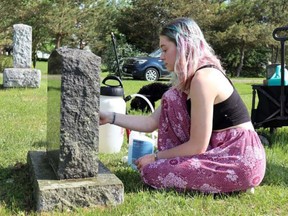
151,74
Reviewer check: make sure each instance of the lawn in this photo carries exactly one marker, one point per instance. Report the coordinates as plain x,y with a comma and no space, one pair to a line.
23,128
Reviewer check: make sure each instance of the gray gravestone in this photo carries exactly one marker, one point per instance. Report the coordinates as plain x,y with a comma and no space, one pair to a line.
22,46
22,75
69,173
72,150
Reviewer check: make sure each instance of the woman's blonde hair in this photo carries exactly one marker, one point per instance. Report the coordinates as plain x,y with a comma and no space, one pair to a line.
193,51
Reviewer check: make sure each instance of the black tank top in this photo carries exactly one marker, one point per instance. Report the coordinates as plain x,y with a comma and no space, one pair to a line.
230,112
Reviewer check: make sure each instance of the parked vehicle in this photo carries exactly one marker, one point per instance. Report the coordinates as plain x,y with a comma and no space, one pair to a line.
42,56
150,68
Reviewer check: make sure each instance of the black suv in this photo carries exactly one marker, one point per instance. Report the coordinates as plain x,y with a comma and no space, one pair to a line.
150,68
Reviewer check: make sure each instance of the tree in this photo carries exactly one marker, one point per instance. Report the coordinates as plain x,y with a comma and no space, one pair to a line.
141,22
73,23
274,13
7,21
66,22
105,18
240,32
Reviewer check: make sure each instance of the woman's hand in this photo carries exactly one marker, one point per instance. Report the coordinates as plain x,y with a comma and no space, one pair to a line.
144,160
105,117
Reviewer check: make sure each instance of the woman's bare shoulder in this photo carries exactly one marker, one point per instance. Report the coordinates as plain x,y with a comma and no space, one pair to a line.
206,78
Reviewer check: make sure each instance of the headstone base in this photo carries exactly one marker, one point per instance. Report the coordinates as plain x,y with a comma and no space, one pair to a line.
51,194
21,78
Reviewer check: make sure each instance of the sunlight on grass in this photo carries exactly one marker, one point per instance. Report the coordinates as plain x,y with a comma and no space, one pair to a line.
24,115
42,66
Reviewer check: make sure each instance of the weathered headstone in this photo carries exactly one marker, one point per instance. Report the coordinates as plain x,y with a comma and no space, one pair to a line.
69,174
22,46
22,75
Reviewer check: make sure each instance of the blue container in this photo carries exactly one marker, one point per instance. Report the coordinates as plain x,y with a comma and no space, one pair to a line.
275,80
139,145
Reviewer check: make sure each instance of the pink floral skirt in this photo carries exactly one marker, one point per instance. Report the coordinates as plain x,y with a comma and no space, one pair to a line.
234,161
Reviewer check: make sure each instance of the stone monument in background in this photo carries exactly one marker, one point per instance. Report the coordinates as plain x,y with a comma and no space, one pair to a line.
22,75
69,174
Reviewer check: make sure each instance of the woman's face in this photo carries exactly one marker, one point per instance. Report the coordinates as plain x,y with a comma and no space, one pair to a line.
169,52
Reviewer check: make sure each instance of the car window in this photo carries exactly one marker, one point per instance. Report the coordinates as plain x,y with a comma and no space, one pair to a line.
155,54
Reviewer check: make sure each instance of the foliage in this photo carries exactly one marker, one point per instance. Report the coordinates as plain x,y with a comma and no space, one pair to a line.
123,50
234,36
105,15
242,38
240,31
141,22
72,23
5,62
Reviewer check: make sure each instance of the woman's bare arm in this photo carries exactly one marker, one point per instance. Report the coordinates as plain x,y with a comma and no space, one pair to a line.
134,122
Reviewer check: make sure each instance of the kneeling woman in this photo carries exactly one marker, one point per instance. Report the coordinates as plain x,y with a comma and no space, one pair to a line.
206,141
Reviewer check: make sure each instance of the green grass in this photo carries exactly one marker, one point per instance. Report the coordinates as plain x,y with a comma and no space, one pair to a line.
42,66
23,128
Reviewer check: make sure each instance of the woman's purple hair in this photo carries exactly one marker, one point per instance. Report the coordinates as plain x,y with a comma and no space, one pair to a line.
193,51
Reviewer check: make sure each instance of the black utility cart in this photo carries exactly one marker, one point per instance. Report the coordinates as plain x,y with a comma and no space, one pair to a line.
272,108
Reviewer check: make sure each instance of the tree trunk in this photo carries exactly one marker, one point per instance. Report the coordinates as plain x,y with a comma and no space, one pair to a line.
58,40
242,56
276,54
81,44
34,58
